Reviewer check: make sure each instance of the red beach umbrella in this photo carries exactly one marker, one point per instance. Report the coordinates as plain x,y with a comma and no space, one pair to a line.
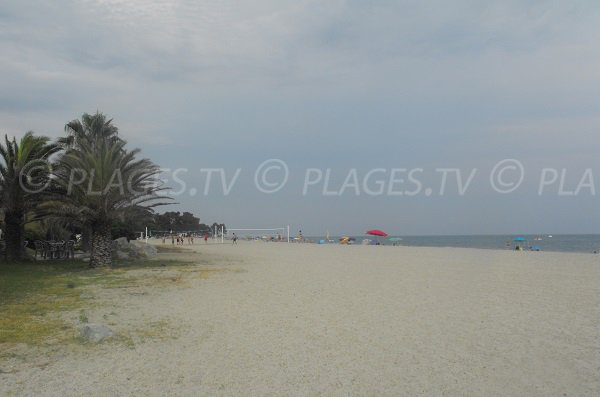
377,232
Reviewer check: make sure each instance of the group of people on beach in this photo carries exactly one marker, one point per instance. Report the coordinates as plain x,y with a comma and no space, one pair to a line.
180,239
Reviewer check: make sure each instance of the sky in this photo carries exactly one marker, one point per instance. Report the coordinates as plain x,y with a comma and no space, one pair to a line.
499,99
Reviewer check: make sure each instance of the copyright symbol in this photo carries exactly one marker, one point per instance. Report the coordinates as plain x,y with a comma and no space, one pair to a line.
507,175
34,176
271,185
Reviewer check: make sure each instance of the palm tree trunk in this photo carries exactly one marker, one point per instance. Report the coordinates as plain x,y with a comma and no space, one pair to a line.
101,251
14,236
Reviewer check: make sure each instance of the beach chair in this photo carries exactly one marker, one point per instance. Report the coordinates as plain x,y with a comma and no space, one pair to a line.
60,249
39,248
69,250
52,249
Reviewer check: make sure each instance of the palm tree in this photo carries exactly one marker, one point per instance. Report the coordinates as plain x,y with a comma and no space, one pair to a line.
92,128
24,173
103,182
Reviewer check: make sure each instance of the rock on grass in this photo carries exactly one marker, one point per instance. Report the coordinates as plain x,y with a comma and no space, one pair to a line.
95,332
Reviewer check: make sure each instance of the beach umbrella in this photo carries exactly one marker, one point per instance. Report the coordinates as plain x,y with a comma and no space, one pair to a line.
394,239
377,232
520,242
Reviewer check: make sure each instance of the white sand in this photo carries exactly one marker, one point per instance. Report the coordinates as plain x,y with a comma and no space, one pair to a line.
307,320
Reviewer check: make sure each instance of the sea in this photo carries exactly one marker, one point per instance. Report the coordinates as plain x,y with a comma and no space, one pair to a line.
558,243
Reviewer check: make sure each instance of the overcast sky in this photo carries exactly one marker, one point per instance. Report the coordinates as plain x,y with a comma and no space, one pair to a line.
330,84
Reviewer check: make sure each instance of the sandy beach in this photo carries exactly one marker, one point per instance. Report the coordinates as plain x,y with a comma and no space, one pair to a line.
273,319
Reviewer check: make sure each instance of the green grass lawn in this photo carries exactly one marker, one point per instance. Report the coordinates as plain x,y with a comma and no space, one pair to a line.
30,295
34,294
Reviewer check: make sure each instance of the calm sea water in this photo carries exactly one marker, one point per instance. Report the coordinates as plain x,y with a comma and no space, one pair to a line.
560,243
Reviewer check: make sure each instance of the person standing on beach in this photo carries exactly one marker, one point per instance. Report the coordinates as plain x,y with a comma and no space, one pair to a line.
234,239
205,238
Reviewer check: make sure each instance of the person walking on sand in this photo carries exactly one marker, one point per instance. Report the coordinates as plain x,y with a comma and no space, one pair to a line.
205,238
234,239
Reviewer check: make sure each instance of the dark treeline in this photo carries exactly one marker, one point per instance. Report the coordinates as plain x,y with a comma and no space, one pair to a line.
182,222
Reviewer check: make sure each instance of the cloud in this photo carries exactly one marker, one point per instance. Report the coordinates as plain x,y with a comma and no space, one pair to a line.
338,81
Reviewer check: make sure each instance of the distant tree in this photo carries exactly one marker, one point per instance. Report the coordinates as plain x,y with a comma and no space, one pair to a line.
204,228
166,221
176,221
189,222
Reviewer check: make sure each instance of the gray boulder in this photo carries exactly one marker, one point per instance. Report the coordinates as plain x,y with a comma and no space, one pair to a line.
122,249
120,244
143,250
95,332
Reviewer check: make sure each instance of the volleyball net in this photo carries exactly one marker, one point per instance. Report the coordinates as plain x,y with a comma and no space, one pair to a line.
281,233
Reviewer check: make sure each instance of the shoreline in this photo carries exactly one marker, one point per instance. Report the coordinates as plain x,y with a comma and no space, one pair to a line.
592,245
409,246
